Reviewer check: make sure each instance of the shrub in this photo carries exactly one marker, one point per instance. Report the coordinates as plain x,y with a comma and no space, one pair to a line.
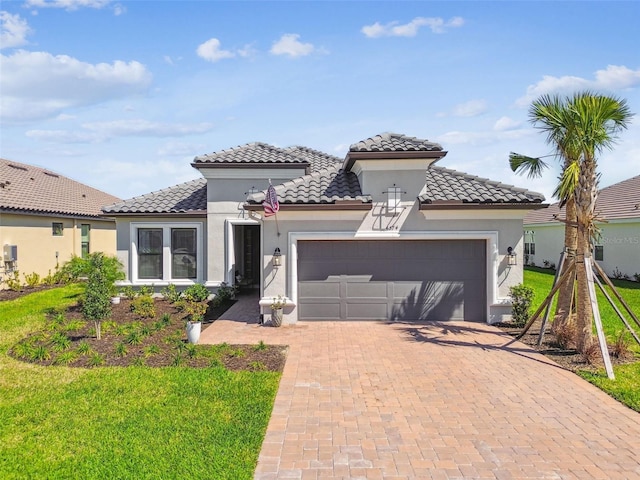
195,310
50,279
128,292
32,279
636,277
521,298
621,347
13,282
196,293
171,293
565,333
592,354
224,294
144,306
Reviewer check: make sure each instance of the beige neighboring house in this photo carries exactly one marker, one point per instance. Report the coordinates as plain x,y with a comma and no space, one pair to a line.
617,248
45,218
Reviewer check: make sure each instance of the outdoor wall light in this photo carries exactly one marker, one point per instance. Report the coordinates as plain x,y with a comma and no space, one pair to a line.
512,259
277,257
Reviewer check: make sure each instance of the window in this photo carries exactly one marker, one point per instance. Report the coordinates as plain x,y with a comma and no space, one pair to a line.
57,229
166,252
529,248
150,253
183,253
85,229
598,253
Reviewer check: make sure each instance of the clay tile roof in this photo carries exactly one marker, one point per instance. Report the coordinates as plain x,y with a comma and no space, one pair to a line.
322,187
317,160
444,185
188,197
251,153
394,142
616,202
30,189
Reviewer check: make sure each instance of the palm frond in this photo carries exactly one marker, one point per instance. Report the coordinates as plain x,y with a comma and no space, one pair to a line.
532,166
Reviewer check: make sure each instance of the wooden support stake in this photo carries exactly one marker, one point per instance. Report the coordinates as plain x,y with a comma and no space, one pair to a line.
596,317
608,281
547,300
617,310
543,327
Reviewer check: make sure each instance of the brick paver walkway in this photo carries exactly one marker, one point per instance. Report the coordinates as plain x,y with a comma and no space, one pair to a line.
436,401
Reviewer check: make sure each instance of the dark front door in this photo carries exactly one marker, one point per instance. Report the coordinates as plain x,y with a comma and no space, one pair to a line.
247,253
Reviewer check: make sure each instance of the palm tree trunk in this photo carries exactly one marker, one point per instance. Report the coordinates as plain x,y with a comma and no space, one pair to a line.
565,294
586,195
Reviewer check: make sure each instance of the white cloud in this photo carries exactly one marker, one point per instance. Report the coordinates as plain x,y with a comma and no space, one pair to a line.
614,77
472,108
13,30
211,51
395,29
38,85
506,123
180,149
68,5
103,131
482,138
289,45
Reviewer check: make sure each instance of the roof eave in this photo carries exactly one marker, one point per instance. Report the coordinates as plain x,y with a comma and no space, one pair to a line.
352,157
457,205
345,205
240,165
190,213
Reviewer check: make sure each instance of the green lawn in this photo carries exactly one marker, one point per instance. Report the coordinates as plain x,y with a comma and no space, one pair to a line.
134,422
626,386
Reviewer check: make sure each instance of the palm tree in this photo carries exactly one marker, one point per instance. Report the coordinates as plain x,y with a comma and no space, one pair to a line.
579,127
596,121
550,114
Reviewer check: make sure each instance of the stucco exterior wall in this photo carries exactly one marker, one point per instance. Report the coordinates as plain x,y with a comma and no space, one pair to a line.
620,241
40,251
501,229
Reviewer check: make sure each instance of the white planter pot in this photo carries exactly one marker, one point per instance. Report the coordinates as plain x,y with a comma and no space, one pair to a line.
193,331
115,300
276,317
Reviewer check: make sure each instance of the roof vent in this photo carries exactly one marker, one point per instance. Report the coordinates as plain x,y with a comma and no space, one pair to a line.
18,167
51,174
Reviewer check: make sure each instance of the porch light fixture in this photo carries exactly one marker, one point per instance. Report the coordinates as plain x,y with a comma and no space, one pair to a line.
512,259
394,195
277,258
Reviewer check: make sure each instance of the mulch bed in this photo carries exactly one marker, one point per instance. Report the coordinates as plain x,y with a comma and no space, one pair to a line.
567,358
129,339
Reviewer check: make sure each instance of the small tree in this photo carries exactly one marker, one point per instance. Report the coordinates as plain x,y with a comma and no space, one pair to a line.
521,298
102,272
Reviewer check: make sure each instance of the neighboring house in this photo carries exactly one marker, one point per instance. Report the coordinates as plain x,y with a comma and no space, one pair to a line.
617,244
46,218
382,234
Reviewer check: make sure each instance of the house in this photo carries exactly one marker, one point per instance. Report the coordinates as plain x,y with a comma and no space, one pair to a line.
617,244
384,233
45,218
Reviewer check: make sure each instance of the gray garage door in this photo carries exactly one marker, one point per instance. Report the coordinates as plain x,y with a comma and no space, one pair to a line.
402,280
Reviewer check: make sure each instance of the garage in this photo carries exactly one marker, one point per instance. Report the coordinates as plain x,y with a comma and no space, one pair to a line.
396,280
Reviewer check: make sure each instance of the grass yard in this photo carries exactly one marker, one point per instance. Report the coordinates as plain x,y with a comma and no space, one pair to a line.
114,422
626,386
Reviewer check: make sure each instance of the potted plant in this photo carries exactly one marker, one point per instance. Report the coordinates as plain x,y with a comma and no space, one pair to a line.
277,304
195,314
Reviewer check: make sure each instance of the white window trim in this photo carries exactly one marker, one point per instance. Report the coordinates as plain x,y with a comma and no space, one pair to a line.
166,253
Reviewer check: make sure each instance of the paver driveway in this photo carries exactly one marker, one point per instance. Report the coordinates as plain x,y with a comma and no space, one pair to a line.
444,401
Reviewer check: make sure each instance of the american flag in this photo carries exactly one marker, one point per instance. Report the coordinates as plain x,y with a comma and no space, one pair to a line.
270,204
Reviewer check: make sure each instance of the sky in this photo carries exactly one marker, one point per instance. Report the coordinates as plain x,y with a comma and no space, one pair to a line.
122,95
